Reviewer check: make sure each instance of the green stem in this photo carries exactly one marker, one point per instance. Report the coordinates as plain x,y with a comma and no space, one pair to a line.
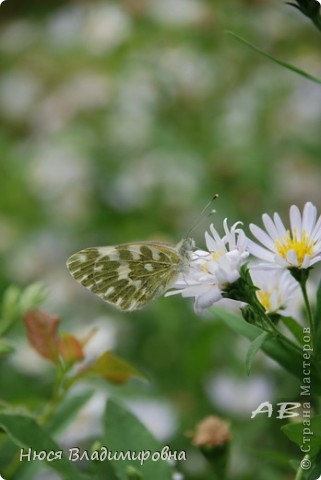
280,62
290,344
300,472
59,391
301,275
308,310
274,329
279,334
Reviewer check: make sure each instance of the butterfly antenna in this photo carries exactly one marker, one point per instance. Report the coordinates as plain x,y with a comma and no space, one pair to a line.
200,216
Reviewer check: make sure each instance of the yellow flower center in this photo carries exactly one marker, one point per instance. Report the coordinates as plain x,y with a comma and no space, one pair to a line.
264,299
218,254
301,246
214,256
270,305
204,267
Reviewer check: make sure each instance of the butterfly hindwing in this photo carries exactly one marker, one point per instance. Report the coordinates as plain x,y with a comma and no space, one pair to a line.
127,275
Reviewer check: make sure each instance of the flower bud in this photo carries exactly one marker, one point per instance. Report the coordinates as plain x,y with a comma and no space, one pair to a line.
212,436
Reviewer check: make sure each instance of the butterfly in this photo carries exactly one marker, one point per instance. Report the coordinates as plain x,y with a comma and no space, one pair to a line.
130,275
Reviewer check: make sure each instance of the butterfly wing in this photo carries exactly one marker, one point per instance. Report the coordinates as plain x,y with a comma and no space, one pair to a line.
127,275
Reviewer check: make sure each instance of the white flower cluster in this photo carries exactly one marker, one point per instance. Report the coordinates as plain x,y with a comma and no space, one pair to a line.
210,271
213,271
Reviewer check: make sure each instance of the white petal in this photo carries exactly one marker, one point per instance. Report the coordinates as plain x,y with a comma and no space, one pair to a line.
268,266
195,291
225,276
225,226
280,261
316,232
207,299
306,262
232,241
291,258
189,291
233,256
262,236
210,243
309,218
279,226
170,293
315,259
260,252
215,234
270,227
200,254
241,243
316,249
295,221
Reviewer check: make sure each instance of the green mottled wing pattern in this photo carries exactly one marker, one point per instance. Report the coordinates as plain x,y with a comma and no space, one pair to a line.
127,275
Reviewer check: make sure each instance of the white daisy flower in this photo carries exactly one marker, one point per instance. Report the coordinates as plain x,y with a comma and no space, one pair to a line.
211,271
276,290
299,246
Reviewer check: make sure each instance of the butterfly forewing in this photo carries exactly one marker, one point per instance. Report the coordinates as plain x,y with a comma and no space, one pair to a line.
127,275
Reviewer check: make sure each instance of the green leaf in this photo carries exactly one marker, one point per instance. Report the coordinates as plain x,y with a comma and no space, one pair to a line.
294,327
67,410
275,60
25,432
5,347
237,323
290,358
254,348
118,420
16,302
278,458
32,296
311,9
296,433
9,308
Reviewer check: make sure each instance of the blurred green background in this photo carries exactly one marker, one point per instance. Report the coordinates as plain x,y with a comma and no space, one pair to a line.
119,120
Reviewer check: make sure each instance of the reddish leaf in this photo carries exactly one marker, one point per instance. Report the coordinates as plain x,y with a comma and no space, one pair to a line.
70,348
42,333
113,369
